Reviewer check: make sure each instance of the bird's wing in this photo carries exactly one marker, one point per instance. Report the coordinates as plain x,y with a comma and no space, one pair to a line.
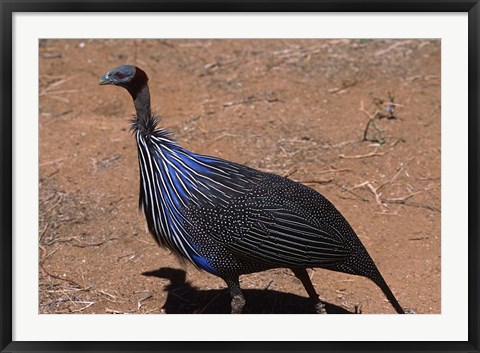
279,236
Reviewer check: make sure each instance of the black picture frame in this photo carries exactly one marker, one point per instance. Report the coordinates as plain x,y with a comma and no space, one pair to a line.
9,7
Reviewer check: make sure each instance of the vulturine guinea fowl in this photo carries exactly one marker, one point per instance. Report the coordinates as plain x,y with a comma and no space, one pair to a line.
229,219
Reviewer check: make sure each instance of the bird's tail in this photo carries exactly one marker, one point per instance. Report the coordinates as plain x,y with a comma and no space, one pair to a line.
361,264
380,282
377,278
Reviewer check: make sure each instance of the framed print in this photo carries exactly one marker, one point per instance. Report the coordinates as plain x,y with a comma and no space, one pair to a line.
210,176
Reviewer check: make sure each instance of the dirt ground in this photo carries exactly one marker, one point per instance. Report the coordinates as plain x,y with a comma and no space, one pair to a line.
298,108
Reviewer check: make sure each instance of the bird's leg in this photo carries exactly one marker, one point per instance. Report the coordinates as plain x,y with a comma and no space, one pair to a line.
238,301
302,275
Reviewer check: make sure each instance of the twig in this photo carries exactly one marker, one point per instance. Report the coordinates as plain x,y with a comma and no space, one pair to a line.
59,277
85,307
351,192
417,238
61,99
105,163
47,93
55,301
292,170
49,88
146,242
392,179
141,291
49,254
111,311
51,174
359,185
364,111
139,301
371,154
52,207
320,182
365,132
415,204
51,55
400,199
393,46
145,298
42,234
343,87
108,295
224,134
69,289
358,309
51,162
132,255
377,195
250,99
59,240
333,170
82,244
388,107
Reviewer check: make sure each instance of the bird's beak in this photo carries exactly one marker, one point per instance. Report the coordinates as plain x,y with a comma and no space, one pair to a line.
104,80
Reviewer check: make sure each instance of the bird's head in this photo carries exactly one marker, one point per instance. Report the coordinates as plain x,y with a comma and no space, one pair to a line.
127,76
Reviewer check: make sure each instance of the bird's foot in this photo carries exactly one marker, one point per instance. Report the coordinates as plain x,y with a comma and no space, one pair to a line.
320,308
238,302
409,311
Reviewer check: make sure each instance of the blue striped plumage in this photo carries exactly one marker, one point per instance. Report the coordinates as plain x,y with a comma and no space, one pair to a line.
171,179
175,181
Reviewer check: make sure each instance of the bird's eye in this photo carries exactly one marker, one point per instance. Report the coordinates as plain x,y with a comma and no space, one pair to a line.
120,75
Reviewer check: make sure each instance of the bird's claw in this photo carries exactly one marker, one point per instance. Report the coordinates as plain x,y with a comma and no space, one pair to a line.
238,302
320,308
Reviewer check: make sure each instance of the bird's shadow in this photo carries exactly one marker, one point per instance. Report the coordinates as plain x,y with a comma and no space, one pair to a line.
183,298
